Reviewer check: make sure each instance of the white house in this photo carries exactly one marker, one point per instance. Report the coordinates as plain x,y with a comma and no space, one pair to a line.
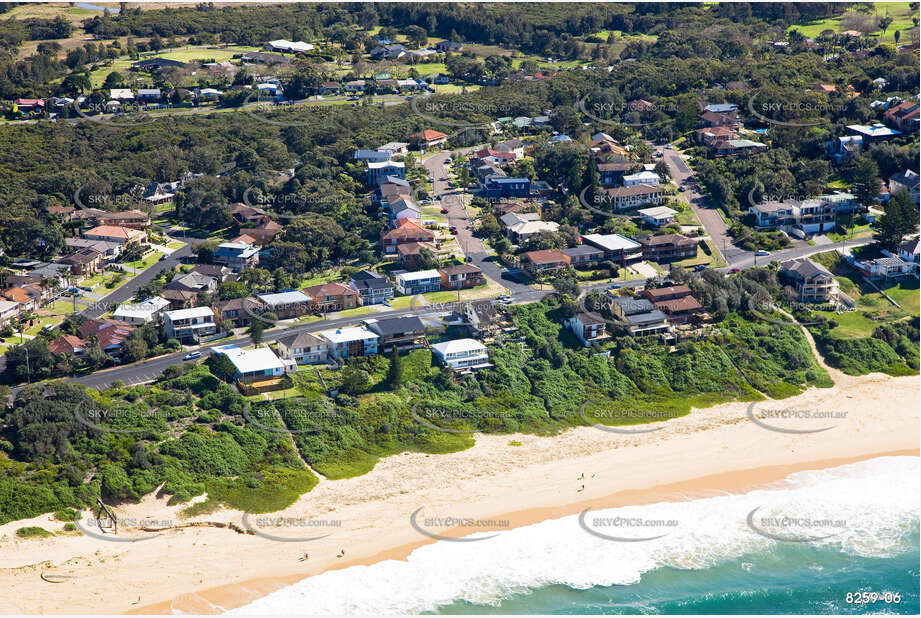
8,311
641,178
886,268
141,313
588,327
349,342
257,364
462,354
189,324
283,45
910,250
522,226
418,282
658,215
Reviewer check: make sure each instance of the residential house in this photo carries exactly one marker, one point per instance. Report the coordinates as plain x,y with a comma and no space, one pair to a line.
418,282
428,138
736,148
237,256
302,348
254,365
264,233
329,88
405,208
512,146
617,248
345,343
668,247
125,236
356,85
83,262
144,312
287,305
149,95
236,312
135,219
406,231
379,170
635,196
904,116
27,301
708,136
886,268
372,155
588,327
332,297
292,47
497,188
641,178
193,282
910,250
484,317
844,147
67,344
392,51
872,133
411,252
219,272
520,227
658,215
395,148
812,281
461,276
406,333
584,255
680,310
371,287
108,334
536,263
189,325
179,299
463,355
672,292
611,174
639,315
254,57
248,215
720,114
495,157
108,250
9,310
449,46
905,181
811,216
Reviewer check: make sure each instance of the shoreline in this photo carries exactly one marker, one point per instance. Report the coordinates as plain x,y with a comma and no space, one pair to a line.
232,596
520,477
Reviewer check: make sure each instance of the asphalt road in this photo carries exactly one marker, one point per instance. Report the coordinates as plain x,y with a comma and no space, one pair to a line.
456,202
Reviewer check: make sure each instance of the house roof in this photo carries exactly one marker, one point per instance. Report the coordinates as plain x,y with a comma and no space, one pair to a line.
115,231
192,312
590,317
429,135
657,293
804,267
344,335
611,242
65,344
418,275
685,303
394,326
630,191
615,166
459,269
284,298
300,340
408,228
239,304
458,346
666,239
248,361
631,306
544,256
413,248
328,289
17,294
657,212
582,250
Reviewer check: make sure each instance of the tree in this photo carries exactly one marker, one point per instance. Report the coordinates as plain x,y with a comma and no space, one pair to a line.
255,330
395,373
354,380
221,367
865,180
900,219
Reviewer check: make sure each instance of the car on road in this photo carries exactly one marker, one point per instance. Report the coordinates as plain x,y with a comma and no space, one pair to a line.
733,271
683,188
700,267
431,179
454,230
668,146
444,211
762,252
192,355
448,160
468,259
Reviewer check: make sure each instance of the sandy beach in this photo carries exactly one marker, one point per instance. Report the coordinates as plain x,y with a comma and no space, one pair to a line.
210,570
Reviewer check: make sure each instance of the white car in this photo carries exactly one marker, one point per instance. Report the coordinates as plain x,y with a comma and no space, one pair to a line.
448,160
192,355
762,252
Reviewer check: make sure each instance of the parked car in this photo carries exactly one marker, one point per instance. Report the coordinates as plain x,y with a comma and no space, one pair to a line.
700,267
762,252
192,355
444,211
468,259
733,271
454,230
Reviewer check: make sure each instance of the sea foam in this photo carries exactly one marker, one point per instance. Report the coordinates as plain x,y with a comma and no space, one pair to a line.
872,506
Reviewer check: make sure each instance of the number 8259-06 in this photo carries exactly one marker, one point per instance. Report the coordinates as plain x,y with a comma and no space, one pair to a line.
891,598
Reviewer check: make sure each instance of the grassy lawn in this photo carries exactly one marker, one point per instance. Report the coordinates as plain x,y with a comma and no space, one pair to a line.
40,322
900,12
872,308
454,88
143,264
348,313
176,244
319,279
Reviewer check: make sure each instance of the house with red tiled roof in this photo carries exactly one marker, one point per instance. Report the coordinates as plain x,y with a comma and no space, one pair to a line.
67,344
406,231
27,301
125,236
495,157
428,138
265,233
110,334
332,297
543,261
904,116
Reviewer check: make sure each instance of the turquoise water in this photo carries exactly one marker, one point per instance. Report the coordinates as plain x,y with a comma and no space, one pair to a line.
712,558
792,579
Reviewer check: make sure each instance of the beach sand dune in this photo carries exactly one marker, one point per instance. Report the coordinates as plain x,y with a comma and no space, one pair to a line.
210,570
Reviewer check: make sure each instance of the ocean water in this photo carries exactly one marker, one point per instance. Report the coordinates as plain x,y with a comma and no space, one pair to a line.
811,544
